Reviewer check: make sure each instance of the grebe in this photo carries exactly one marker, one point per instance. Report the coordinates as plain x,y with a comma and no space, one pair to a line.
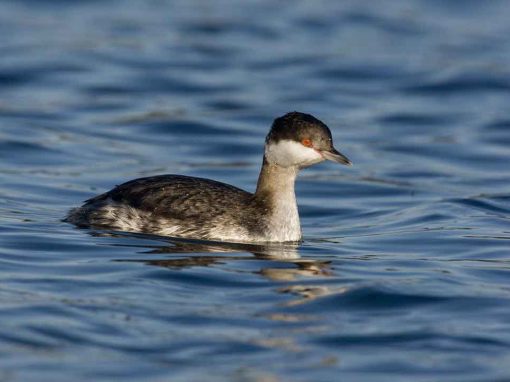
189,207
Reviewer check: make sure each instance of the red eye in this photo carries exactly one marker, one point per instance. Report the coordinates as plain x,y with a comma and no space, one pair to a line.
306,142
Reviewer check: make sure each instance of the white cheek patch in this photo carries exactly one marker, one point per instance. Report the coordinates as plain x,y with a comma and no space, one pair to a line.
290,153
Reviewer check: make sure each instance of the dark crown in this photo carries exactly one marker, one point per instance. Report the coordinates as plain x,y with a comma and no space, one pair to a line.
296,126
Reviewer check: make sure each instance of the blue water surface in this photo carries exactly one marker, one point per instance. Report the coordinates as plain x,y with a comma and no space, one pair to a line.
404,272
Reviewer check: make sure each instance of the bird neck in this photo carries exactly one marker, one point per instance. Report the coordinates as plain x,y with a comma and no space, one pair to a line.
275,188
276,181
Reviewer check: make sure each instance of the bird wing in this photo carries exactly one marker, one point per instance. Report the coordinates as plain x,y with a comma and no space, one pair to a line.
177,196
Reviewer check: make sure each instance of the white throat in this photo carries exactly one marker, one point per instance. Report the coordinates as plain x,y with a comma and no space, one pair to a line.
287,153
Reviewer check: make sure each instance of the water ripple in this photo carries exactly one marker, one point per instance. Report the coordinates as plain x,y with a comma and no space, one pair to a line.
403,270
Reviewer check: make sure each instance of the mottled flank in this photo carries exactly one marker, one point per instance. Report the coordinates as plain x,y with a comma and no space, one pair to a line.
175,205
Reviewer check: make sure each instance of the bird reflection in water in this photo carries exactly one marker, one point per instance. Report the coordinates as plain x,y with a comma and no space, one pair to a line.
288,264
206,253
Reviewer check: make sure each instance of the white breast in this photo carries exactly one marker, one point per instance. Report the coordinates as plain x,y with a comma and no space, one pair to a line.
284,221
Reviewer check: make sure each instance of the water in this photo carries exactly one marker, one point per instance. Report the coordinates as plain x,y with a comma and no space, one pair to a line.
404,270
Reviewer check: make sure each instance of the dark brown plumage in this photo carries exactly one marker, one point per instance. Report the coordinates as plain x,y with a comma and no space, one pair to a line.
179,200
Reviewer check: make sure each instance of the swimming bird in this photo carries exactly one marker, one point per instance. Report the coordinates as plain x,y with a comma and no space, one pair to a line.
190,207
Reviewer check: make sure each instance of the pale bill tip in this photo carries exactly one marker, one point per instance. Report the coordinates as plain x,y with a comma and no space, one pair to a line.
335,156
